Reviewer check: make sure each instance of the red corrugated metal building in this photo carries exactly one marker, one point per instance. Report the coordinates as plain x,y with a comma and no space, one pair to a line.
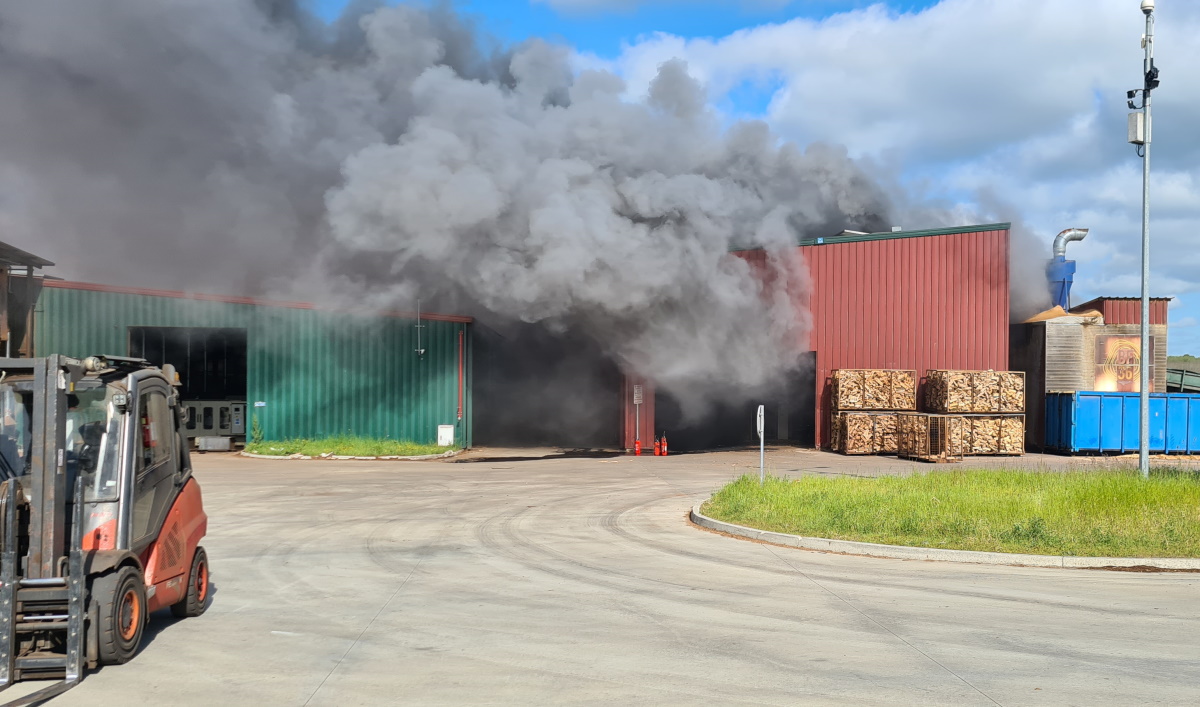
919,300
1126,310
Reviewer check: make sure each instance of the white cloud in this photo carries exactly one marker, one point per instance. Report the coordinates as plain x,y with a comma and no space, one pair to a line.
1023,99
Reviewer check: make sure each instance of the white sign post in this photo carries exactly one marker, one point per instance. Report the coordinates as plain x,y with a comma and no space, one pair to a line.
762,475
638,397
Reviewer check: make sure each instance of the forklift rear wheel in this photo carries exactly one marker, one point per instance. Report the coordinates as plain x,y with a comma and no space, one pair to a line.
121,599
196,600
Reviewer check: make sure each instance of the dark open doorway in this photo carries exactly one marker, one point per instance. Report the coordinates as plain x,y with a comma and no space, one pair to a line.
211,363
534,388
789,416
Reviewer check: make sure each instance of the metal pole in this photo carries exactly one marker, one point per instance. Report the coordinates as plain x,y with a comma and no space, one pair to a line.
1144,401
760,424
762,474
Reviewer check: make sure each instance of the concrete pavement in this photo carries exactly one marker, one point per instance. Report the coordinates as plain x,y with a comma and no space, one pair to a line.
498,580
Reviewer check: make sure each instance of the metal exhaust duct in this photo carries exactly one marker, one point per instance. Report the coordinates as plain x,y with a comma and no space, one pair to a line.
1060,271
1066,236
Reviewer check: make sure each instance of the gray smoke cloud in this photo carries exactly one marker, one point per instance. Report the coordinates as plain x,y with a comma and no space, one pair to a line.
239,145
556,200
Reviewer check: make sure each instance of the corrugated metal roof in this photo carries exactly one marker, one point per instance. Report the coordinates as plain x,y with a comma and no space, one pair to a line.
1126,310
232,299
319,372
12,255
854,237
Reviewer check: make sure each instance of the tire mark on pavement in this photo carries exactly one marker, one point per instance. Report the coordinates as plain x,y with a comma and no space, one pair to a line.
872,619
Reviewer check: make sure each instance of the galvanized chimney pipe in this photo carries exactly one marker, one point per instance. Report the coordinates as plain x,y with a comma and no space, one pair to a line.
1068,235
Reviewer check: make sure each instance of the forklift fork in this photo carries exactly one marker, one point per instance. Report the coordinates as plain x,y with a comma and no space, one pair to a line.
74,584
8,583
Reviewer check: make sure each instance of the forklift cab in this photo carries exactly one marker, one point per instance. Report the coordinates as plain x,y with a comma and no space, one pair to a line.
131,483
96,497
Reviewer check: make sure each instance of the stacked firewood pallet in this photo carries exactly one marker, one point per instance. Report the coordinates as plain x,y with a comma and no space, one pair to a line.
992,404
975,392
865,402
874,389
969,413
864,432
990,435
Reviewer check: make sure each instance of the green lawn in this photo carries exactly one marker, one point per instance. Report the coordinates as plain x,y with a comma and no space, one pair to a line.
344,445
1110,513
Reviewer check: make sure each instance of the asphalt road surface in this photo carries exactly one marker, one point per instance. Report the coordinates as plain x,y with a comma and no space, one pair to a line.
580,581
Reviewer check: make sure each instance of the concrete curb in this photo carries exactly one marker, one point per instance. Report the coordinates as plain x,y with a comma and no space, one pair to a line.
901,552
339,457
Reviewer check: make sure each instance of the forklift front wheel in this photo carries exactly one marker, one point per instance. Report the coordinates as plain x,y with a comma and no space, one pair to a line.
121,599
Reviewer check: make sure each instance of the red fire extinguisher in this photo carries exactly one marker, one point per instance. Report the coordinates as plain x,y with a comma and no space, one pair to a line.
664,444
637,447
657,447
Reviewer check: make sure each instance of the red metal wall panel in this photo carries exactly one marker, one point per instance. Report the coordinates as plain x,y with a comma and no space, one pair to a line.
630,415
917,303
1127,310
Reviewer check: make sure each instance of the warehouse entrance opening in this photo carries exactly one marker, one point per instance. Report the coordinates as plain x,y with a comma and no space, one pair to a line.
539,388
212,373
790,416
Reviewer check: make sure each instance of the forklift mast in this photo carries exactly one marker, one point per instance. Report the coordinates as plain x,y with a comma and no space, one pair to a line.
51,578
53,378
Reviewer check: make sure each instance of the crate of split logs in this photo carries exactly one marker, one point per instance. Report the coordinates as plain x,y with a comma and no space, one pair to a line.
874,389
994,435
856,432
975,392
930,437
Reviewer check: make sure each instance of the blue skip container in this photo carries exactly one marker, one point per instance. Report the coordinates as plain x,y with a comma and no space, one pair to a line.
1098,422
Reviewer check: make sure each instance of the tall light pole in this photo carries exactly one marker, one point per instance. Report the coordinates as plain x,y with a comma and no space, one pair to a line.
1139,134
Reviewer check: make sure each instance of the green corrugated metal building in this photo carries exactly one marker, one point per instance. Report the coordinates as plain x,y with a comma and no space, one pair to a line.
309,372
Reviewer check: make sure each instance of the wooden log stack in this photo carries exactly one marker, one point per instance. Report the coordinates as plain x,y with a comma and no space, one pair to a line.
970,413
874,389
930,437
864,433
990,392
988,435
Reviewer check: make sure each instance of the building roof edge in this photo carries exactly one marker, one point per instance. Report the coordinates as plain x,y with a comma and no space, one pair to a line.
252,301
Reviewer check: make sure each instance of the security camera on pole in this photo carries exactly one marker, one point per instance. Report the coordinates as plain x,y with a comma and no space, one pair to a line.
1139,134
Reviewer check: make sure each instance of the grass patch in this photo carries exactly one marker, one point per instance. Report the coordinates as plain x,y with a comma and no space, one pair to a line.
344,445
1110,513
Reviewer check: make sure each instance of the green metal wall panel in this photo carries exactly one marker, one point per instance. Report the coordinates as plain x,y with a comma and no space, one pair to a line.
319,372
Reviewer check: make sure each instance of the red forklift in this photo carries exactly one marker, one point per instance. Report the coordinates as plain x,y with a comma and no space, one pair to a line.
100,518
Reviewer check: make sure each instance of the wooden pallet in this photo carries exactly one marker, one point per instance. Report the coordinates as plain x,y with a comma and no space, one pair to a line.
930,437
995,392
874,389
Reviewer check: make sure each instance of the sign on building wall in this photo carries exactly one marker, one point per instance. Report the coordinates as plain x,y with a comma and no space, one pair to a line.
1119,364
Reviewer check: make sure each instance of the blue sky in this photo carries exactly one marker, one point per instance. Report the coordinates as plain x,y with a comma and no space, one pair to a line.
602,28
1009,109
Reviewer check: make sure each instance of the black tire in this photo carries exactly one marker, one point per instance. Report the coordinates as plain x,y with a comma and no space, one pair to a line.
195,601
121,603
